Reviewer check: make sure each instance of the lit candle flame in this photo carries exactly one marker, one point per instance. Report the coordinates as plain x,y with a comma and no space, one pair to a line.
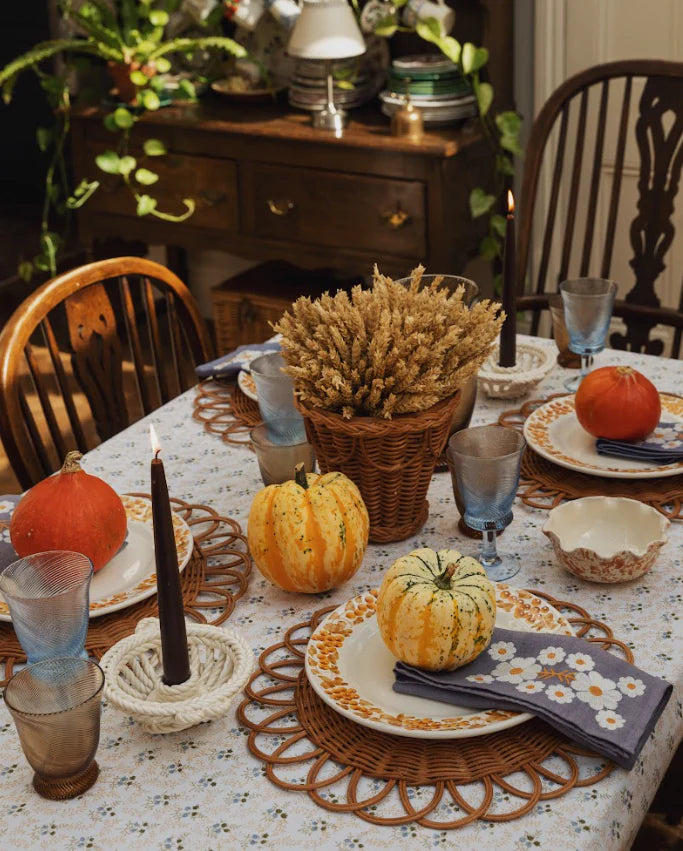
511,202
154,440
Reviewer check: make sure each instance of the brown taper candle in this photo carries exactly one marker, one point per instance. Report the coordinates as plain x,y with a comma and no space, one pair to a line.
508,333
174,653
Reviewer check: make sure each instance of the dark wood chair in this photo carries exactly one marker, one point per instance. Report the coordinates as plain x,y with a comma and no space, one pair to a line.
88,353
599,113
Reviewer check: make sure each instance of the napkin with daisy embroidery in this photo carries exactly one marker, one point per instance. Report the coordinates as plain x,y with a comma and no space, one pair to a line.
595,698
663,446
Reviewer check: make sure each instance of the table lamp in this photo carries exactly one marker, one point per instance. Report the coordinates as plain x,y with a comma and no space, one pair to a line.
327,30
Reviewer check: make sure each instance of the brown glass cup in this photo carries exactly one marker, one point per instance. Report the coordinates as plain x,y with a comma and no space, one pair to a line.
55,705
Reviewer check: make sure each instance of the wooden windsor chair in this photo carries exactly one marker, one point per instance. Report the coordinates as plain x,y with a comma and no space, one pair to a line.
625,185
89,352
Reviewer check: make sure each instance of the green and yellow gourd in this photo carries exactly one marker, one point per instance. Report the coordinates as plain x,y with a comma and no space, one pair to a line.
308,534
436,610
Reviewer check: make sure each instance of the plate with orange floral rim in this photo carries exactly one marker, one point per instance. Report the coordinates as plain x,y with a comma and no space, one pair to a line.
351,669
554,432
131,575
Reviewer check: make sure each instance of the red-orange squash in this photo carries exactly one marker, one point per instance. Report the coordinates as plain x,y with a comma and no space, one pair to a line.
617,402
308,534
71,510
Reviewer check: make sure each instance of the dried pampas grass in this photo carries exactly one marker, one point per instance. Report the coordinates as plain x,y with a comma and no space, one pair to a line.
388,350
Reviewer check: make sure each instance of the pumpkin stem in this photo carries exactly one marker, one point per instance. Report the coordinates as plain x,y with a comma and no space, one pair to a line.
444,581
72,462
300,475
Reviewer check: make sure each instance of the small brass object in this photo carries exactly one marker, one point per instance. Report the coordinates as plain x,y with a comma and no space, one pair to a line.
407,121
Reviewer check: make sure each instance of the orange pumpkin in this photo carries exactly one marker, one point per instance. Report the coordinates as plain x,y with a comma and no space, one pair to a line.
617,402
308,534
71,510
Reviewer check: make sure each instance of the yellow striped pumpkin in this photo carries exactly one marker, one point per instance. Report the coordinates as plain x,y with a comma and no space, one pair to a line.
436,610
309,534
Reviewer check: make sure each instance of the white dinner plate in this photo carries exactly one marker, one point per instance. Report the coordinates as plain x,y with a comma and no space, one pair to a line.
555,433
247,384
131,575
352,670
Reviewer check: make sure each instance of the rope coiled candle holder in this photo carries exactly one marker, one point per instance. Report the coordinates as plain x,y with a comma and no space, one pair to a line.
220,665
510,382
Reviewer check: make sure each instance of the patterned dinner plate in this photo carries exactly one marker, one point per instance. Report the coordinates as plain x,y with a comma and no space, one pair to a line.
247,384
351,669
555,433
130,576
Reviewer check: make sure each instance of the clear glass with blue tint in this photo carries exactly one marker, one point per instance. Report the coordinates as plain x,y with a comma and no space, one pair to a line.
48,595
275,392
56,707
484,464
588,304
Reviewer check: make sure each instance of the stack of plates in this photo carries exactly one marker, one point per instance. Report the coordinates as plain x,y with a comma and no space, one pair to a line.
435,85
308,89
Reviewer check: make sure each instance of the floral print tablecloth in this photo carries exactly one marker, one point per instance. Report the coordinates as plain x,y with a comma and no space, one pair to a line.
202,789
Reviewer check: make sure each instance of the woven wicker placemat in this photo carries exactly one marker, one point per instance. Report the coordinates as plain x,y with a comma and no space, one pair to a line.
226,411
393,780
544,484
215,578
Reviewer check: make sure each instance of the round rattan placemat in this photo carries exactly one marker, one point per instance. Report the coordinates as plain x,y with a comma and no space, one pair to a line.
215,578
226,411
390,780
544,484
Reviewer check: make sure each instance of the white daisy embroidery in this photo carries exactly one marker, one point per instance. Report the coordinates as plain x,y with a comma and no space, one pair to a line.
631,687
609,720
580,662
517,670
559,694
597,691
480,678
502,651
551,656
6,507
531,687
4,536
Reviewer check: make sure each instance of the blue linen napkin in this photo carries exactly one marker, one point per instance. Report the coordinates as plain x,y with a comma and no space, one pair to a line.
8,503
663,446
227,366
595,698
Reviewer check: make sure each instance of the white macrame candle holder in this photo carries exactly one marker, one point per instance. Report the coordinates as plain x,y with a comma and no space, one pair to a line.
220,665
509,382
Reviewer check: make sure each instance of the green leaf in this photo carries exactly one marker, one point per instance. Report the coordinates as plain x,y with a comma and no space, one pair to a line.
163,65
480,202
110,124
150,100
154,147
25,270
44,135
187,88
504,164
509,122
473,58
451,48
484,95
146,177
139,78
126,165
122,118
158,17
345,85
386,27
81,194
489,248
512,144
145,205
498,224
429,30
108,162
399,3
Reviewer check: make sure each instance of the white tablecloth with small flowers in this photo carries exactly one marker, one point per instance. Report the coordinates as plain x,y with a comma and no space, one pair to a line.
202,789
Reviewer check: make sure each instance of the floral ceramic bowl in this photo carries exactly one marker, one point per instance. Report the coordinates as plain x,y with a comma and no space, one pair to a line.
606,539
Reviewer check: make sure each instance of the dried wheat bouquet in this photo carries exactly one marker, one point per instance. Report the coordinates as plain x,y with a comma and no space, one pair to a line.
388,350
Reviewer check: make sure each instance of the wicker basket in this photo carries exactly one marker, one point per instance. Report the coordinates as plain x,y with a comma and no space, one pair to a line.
391,461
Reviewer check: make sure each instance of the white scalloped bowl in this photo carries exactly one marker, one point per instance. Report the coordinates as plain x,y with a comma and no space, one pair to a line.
606,539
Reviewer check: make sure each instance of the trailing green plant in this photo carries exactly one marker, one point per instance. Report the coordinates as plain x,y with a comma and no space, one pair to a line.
128,35
501,130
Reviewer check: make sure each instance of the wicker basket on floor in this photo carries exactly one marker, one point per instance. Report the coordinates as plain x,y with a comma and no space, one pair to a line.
391,461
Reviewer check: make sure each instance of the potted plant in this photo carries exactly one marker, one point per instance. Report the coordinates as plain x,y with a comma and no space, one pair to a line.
129,37
377,377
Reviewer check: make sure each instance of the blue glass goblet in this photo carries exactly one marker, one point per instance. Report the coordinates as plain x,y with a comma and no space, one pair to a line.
48,595
588,304
484,463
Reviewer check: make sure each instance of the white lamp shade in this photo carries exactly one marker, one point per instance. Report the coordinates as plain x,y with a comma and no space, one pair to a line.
326,29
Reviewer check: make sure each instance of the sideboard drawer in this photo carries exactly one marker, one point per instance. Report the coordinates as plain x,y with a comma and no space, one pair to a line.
211,183
335,209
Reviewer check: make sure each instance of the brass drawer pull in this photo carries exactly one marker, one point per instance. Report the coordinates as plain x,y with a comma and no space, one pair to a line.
211,197
396,219
280,207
